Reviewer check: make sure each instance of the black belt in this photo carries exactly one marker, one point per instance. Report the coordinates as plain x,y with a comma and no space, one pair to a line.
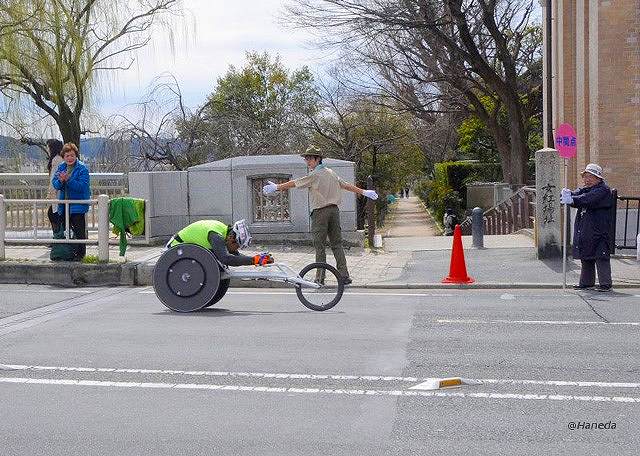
324,207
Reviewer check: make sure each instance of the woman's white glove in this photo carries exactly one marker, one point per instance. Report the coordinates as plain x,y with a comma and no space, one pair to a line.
565,196
270,188
371,194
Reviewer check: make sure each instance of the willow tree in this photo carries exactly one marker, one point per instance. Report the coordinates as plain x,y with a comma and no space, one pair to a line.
55,53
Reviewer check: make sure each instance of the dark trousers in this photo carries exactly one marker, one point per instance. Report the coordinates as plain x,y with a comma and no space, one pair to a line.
54,219
588,272
78,224
326,222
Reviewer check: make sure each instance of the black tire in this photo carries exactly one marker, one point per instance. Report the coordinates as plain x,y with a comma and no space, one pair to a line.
339,288
186,278
222,290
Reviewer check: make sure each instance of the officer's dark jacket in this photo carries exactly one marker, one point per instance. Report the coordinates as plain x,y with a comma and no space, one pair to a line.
591,238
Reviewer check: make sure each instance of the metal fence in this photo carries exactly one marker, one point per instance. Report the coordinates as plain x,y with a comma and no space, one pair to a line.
630,222
102,204
20,216
510,215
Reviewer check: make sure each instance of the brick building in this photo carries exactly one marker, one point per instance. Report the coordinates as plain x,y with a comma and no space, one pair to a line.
596,85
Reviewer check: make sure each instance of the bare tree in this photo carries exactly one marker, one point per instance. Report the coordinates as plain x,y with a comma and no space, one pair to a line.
435,56
355,127
54,54
164,133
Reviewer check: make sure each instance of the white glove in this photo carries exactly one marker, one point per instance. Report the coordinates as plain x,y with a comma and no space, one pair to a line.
565,192
270,188
370,194
566,199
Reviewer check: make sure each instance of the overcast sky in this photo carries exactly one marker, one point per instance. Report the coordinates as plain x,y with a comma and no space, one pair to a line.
220,32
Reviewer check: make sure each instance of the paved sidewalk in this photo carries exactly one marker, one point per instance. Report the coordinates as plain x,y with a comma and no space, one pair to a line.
408,218
412,257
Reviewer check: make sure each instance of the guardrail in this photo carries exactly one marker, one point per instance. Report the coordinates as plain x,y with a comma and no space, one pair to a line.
509,215
103,224
101,204
35,186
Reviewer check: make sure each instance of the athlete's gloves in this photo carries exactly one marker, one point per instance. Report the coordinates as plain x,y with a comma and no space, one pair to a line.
371,194
270,188
262,259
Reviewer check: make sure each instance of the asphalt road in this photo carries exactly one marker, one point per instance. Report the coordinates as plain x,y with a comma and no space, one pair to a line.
112,372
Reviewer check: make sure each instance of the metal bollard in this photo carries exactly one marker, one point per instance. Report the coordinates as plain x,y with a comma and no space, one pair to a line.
477,228
103,228
3,224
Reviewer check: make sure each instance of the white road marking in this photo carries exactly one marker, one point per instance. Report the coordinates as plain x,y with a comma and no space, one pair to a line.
210,373
347,293
49,291
540,322
507,297
296,390
270,375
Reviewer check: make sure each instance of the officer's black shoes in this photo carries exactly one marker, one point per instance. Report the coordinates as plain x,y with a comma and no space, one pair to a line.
347,281
582,287
603,289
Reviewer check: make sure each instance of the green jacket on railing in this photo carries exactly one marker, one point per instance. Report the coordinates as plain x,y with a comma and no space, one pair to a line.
127,216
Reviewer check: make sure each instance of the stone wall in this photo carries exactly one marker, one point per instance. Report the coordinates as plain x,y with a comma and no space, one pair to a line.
230,190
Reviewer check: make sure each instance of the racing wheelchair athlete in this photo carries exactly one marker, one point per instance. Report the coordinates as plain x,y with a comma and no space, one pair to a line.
193,273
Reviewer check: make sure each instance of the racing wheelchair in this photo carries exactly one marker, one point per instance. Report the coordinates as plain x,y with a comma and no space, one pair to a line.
188,278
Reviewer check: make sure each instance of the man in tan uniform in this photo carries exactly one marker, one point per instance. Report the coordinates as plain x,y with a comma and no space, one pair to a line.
325,194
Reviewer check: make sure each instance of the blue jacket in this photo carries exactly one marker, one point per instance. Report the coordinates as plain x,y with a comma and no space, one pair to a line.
591,238
75,188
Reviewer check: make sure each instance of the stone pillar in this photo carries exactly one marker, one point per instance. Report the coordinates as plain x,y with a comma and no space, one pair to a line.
548,217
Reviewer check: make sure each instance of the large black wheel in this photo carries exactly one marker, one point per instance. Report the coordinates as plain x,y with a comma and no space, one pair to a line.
222,290
186,278
330,291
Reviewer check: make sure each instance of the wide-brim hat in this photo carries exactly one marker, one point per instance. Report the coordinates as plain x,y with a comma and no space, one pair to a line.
594,169
312,151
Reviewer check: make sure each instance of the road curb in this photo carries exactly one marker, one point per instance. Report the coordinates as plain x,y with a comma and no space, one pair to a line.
478,286
67,274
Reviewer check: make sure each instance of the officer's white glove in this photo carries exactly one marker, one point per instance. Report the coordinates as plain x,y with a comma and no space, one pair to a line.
371,194
565,196
270,188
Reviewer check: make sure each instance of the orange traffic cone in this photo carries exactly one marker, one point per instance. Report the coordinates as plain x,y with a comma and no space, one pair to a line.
457,270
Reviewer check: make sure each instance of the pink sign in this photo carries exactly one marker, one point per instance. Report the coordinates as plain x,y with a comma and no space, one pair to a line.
566,142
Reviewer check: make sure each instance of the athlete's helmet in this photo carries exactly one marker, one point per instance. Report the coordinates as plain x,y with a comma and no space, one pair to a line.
243,237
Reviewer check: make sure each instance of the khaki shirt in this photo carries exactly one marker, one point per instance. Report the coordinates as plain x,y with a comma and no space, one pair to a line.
324,187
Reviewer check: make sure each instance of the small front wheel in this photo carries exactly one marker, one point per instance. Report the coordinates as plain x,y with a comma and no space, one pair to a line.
330,291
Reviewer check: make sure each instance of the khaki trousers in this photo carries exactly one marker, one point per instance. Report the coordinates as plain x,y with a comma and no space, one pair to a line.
326,222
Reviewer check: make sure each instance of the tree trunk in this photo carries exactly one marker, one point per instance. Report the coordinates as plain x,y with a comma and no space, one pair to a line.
69,126
519,147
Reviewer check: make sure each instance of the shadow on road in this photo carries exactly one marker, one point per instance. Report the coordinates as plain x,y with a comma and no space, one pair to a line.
218,312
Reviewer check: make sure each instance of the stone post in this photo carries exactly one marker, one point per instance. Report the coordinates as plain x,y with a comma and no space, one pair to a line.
477,227
548,213
371,214
103,228
3,225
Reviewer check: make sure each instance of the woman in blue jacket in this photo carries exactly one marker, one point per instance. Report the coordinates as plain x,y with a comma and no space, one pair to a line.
591,238
72,182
